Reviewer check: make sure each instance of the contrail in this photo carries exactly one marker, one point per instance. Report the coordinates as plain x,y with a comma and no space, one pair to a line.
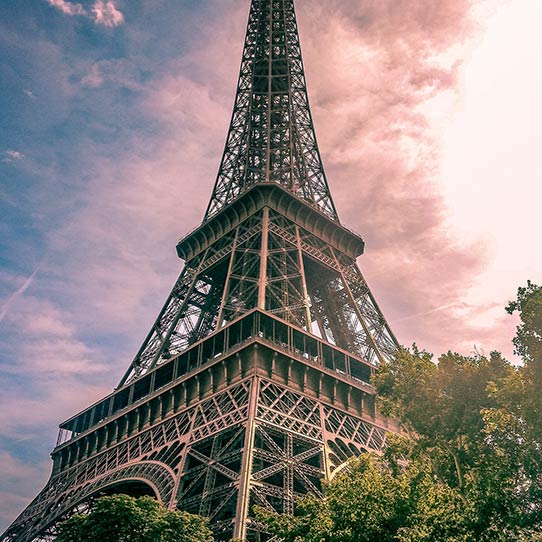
417,315
21,290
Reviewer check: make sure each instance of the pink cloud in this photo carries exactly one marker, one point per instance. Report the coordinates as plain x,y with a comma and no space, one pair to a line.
371,67
106,13
68,8
50,345
5,305
118,71
12,156
18,480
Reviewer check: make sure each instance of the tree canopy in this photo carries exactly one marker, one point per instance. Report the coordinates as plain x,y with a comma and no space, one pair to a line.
121,518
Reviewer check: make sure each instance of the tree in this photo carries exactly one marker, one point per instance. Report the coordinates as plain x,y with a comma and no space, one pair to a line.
514,426
370,502
522,395
528,339
121,518
465,418
441,406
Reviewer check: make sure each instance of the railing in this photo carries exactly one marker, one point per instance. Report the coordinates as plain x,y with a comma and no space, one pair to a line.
253,325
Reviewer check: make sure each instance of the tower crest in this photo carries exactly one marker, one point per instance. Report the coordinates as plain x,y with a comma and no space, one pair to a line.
271,137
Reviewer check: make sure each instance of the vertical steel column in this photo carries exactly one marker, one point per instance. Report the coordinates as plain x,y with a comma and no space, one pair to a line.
226,291
289,495
243,499
325,446
303,280
269,96
262,283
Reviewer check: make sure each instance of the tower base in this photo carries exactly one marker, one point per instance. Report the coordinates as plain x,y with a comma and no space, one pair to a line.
255,414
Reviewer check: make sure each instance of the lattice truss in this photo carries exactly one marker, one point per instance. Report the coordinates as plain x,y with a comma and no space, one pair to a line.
256,442
271,137
156,455
296,442
193,459
271,263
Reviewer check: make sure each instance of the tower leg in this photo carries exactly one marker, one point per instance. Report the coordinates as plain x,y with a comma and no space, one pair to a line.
243,502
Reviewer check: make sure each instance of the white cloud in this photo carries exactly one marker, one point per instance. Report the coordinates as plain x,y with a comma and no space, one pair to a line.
106,13
103,12
93,78
21,290
51,343
67,7
117,71
18,480
11,156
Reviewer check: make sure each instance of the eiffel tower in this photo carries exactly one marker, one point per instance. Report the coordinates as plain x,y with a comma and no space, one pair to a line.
254,381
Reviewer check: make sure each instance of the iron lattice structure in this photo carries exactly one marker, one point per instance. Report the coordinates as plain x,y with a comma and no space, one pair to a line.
271,137
254,382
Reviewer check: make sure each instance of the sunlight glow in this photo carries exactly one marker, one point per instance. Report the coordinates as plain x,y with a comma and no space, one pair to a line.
491,170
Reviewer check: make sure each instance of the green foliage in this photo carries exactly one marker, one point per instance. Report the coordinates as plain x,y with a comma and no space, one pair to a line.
466,418
514,427
441,406
368,502
520,397
528,340
121,518
469,466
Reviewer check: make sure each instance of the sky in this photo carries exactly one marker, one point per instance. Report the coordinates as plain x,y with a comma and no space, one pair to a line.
113,119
